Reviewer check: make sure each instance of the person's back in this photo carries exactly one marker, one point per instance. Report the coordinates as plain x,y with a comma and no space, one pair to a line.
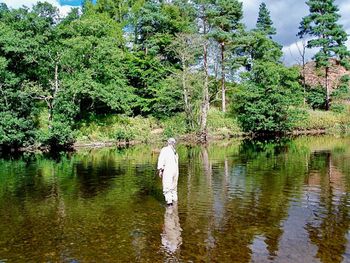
169,171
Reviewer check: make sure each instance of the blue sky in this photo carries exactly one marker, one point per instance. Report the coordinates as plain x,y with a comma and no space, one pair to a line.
70,2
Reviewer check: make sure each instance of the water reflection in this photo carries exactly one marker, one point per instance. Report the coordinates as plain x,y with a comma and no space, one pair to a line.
272,201
330,223
171,236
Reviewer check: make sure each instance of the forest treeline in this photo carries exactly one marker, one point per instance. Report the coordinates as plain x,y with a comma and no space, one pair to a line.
155,58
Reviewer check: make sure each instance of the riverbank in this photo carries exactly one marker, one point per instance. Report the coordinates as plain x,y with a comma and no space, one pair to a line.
118,130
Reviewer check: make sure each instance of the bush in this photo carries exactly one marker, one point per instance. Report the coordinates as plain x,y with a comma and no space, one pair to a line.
266,99
125,135
316,97
319,120
174,126
15,131
222,124
59,135
338,108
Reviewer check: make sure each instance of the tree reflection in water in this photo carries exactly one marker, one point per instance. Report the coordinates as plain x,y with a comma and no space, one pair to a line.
328,227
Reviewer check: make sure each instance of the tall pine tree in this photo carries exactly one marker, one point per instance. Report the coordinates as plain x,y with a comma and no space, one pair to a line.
225,17
322,25
264,22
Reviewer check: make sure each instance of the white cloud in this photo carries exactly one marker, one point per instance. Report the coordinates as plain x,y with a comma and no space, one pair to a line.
286,16
292,54
64,9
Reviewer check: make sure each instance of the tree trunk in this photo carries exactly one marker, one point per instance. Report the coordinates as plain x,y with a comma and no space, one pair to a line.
50,109
56,80
223,89
205,98
188,108
205,101
51,100
327,90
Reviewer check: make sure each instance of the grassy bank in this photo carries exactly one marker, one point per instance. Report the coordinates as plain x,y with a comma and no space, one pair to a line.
116,128
328,121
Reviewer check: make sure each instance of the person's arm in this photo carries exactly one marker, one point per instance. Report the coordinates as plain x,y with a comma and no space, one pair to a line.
161,162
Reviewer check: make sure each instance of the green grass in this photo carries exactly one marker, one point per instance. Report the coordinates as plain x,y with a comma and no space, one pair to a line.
141,129
224,125
323,120
117,128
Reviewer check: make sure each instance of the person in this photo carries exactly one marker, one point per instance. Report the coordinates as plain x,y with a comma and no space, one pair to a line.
168,168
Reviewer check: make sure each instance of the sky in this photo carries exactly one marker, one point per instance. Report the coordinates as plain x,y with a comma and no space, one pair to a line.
286,16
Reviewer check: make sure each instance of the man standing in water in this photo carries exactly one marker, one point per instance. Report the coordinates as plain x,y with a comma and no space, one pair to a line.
168,167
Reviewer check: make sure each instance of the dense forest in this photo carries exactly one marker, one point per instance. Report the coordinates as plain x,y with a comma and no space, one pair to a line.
158,59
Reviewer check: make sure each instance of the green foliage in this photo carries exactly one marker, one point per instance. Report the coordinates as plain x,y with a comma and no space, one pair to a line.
316,97
15,130
125,135
264,102
328,35
341,95
322,120
174,126
260,47
59,135
168,98
342,92
264,22
113,127
225,18
222,124
83,75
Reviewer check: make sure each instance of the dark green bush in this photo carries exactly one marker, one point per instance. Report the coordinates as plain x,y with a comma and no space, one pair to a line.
59,135
316,97
267,98
15,131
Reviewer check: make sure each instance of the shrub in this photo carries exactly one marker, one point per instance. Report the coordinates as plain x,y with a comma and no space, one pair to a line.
316,97
265,100
59,135
125,135
15,131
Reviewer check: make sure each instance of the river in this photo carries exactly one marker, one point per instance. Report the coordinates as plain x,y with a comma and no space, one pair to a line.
239,201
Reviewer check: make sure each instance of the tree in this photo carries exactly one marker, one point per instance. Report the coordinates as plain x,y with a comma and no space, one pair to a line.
225,16
264,22
202,10
257,46
152,62
265,100
187,49
22,34
322,25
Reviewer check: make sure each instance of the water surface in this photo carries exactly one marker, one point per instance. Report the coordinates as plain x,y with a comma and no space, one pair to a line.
239,201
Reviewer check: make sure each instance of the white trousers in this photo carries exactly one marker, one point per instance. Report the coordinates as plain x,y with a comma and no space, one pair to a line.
170,187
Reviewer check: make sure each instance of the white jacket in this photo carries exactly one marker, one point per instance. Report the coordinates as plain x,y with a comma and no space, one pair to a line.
169,161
